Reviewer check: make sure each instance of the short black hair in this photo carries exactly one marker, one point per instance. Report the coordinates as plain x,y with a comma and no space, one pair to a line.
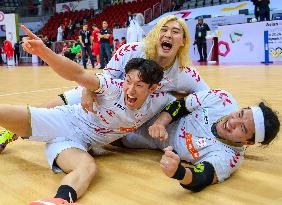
271,123
149,71
122,38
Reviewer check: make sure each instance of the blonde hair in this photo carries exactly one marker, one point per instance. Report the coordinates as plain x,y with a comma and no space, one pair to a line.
152,39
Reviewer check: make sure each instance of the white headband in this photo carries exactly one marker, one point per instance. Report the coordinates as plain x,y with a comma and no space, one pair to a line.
259,124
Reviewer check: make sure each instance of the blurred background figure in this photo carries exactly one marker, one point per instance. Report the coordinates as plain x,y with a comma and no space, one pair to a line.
200,39
17,53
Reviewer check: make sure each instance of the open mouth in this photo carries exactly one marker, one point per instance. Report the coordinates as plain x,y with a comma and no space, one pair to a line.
130,100
166,46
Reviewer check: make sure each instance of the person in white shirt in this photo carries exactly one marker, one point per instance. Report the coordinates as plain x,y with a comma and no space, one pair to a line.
60,33
168,44
70,132
208,131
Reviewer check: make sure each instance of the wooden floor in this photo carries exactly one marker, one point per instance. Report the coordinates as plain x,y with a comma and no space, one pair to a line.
133,176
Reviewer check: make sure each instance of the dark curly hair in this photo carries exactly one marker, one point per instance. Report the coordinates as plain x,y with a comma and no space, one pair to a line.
271,123
149,71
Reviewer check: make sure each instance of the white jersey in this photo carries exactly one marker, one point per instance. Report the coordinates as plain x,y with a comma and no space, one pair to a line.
194,141
187,80
191,136
113,119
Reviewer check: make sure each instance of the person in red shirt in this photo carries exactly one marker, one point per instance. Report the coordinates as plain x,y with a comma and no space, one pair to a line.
96,44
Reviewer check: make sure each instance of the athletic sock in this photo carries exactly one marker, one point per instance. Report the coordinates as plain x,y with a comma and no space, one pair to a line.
67,193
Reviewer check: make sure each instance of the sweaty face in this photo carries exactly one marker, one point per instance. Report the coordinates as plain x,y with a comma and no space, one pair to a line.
170,40
135,90
238,126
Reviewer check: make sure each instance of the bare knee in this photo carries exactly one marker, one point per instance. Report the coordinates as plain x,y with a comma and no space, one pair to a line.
90,166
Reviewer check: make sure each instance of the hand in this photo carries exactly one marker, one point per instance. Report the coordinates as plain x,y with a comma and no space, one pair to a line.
158,131
32,44
83,45
87,100
169,162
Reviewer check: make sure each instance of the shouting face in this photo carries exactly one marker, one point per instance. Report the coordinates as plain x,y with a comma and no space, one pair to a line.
135,90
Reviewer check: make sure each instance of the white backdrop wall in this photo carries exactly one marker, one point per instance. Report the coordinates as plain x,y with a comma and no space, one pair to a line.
248,45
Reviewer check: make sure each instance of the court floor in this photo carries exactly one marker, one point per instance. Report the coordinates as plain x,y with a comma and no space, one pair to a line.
133,176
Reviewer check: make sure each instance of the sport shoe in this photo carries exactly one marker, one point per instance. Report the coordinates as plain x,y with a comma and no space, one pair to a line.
51,201
6,137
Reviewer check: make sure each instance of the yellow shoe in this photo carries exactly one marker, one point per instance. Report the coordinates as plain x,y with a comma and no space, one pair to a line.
6,137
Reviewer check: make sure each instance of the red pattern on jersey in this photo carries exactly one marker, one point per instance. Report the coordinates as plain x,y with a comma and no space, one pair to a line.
197,99
156,95
193,73
102,118
235,159
110,112
102,130
222,95
124,50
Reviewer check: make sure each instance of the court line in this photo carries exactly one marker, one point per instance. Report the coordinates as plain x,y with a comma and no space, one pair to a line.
35,91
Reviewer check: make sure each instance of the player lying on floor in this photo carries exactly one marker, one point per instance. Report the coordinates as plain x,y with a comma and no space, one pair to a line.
69,132
210,135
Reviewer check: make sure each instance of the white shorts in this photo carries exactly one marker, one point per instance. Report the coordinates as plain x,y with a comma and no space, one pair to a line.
73,96
51,126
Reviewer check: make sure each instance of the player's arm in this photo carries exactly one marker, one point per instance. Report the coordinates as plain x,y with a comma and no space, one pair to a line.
195,179
66,68
170,113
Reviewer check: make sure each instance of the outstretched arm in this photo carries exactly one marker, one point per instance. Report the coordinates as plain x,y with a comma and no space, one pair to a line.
66,68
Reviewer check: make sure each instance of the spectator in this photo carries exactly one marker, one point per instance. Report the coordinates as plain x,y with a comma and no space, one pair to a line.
123,41
256,9
48,44
116,25
200,39
66,47
1,59
71,27
264,10
17,52
105,48
129,18
73,51
60,33
174,6
135,32
96,45
117,44
85,39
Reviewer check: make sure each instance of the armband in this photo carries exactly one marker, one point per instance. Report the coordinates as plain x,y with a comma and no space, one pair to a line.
176,109
202,176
